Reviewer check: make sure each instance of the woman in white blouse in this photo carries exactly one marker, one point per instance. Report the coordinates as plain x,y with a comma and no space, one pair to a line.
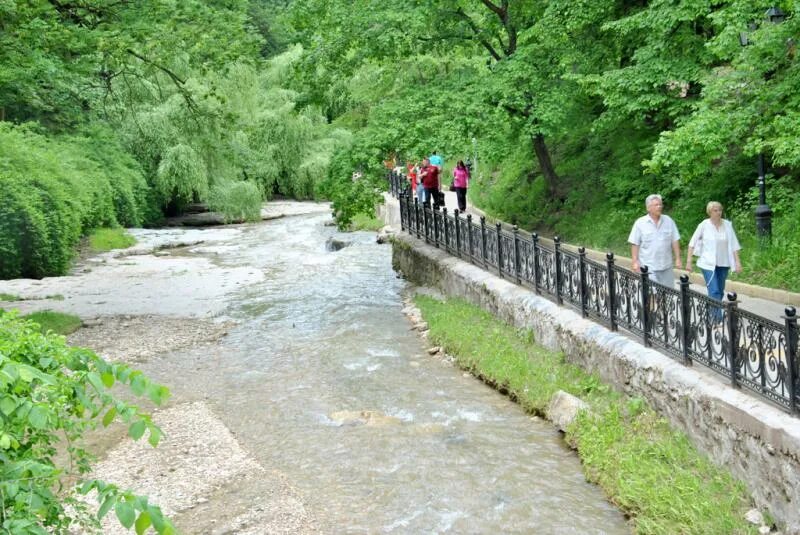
717,248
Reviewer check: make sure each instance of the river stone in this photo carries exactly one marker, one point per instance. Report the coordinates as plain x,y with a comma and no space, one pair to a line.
363,418
335,244
564,408
755,517
385,233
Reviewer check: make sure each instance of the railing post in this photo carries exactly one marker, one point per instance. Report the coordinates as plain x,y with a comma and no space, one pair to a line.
469,238
536,276
612,291
645,306
582,280
499,228
403,212
434,211
416,216
731,310
557,256
516,255
458,233
791,356
444,230
483,242
686,318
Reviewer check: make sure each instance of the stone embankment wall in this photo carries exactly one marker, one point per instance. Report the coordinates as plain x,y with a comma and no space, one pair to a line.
758,443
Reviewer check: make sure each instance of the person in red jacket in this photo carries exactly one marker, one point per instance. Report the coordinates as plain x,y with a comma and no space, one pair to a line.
429,174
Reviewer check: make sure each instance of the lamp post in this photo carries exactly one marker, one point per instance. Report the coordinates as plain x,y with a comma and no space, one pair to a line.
763,213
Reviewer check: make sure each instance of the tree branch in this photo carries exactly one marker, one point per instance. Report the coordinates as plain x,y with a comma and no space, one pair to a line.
477,33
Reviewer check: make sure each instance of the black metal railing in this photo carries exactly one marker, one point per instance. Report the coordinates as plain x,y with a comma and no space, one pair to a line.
684,324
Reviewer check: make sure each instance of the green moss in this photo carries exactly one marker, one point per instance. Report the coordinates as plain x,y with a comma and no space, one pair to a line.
9,297
648,469
58,322
106,239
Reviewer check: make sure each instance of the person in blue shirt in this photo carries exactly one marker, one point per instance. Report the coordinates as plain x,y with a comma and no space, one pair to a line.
437,160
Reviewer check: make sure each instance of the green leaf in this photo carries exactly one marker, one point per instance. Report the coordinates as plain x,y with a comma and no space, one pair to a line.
95,381
125,513
142,523
5,441
108,379
157,518
138,384
109,416
107,504
38,417
7,405
136,430
155,435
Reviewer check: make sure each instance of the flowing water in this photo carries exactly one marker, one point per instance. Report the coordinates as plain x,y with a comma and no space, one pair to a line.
324,380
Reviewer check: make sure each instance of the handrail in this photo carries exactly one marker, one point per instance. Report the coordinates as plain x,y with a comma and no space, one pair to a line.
683,324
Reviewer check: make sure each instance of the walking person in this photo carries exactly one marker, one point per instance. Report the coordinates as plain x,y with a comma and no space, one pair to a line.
429,176
460,182
655,243
416,185
437,160
715,244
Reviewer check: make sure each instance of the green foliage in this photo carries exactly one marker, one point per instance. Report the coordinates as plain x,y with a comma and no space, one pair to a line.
9,297
106,239
57,322
52,192
238,201
50,396
648,469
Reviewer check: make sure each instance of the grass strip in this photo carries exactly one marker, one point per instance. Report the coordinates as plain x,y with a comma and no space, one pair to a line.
649,470
9,297
58,322
366,222
106,239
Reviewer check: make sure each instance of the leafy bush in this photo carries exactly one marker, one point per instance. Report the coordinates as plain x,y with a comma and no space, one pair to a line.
52,191
50,396
238,201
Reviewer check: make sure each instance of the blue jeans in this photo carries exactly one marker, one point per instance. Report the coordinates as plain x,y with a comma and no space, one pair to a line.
715,282
420,194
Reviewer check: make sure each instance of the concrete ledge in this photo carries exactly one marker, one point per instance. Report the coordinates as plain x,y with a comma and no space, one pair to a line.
760,444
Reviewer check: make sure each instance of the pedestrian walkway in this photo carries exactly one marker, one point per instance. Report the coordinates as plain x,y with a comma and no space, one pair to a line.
766,302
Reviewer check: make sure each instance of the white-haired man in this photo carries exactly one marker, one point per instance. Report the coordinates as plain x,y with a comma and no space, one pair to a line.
655,243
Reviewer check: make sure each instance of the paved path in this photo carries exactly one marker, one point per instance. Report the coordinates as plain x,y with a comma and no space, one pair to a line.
765,302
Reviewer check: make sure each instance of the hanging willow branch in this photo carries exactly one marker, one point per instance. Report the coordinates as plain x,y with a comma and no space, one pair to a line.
177,80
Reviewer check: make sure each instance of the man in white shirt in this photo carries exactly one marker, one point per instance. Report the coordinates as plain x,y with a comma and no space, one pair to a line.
655,243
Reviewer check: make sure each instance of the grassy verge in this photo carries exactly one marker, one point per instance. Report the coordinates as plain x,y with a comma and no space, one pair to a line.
9,297
106,239
366,222
57,322
648,469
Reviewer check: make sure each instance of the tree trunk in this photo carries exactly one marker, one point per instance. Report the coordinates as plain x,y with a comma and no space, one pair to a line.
546,165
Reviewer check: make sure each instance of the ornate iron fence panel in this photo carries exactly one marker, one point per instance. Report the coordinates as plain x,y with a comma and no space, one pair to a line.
527,270
570,279
476,251
450,233
629,300
597,299
507,255
763,363
665,320
547,271
464,227
708,338
490,248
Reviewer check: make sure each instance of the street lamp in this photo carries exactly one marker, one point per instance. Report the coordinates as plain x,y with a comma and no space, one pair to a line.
763,212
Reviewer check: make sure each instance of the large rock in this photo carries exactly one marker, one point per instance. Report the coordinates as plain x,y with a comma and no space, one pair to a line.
335,244
564,409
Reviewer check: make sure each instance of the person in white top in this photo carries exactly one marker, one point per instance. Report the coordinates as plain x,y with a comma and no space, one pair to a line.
717,248
654,241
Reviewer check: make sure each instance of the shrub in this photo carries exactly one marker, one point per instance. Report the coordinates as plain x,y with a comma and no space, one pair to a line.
53,189
238,201
50,396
